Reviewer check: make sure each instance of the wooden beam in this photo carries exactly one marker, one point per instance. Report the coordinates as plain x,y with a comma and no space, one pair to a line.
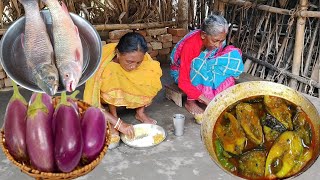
103,27
315,14
303,13
260,7
135,26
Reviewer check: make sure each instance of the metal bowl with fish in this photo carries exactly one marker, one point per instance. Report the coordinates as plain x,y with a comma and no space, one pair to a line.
261,130
13,59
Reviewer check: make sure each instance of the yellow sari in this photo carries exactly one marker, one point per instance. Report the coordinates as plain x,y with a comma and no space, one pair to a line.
113,85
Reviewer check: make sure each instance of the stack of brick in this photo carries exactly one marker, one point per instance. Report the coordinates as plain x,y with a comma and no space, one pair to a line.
160,40
177,34
4,80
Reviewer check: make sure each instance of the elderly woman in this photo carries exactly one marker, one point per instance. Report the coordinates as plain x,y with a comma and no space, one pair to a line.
127,76
202,65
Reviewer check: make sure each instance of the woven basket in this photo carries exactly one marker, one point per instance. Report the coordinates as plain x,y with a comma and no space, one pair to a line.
77,172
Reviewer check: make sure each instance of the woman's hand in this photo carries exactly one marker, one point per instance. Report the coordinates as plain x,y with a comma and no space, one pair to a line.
127,129
204,99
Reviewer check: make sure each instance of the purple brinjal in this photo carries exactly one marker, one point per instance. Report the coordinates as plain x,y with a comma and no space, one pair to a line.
71,100
67,45
15,125
39,137
38,49
68,137
93,126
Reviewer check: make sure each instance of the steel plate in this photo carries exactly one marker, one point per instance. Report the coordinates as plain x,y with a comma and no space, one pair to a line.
146,135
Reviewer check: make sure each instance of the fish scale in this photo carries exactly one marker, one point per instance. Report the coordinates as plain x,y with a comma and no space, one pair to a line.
38,49
67,45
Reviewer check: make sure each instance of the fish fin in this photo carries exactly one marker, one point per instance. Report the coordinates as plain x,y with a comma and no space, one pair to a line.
76,29
22,40
64,7
53,59
77,55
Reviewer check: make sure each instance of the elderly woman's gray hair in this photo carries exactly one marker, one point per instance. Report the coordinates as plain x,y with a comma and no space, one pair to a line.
214,24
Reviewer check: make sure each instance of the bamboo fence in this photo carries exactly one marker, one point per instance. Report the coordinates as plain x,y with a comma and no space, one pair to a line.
279,39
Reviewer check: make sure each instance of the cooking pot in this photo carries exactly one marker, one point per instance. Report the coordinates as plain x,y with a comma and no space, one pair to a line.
250,89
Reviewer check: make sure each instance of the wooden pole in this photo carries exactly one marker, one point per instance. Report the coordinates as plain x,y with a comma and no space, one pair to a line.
202,10
183,13
299,44
103,27
216,5
1,13
210,4
222,7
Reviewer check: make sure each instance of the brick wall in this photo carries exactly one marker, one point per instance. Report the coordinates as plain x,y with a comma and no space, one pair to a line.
5,82
160,40
160,43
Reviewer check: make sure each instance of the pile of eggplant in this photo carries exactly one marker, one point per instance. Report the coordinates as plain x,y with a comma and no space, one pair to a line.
265,137
53,138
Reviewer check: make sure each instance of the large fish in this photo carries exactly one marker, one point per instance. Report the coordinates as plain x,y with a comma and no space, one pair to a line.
67,45
38,49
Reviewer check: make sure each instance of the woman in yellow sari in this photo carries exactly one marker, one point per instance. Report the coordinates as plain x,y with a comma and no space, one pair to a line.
127,76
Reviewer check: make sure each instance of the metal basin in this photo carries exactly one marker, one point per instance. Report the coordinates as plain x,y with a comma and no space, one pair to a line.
14,63
250,89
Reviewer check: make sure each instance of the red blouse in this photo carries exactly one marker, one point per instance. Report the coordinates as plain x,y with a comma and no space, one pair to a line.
190,50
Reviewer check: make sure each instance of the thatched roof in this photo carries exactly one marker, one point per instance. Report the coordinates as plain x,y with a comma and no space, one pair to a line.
101,11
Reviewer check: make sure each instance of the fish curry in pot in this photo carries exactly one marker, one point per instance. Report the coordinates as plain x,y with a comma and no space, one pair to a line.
263,137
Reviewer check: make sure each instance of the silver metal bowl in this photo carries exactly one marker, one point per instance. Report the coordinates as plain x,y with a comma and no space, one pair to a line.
14,63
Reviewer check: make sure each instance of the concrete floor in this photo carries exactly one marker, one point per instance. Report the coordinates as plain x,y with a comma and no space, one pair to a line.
177,158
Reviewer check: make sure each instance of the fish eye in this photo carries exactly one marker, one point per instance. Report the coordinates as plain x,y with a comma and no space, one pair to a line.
67,75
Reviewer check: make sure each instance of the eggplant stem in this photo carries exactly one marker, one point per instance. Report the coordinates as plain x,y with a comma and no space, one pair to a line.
74,94
37,105
16,94
63,98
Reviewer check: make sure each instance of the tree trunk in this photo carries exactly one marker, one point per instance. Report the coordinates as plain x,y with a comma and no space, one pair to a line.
183,13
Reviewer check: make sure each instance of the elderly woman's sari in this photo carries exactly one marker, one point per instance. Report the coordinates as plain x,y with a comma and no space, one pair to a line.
211,71
113,85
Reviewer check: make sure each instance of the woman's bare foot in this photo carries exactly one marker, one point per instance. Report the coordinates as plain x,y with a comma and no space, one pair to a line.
193,108
142,117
